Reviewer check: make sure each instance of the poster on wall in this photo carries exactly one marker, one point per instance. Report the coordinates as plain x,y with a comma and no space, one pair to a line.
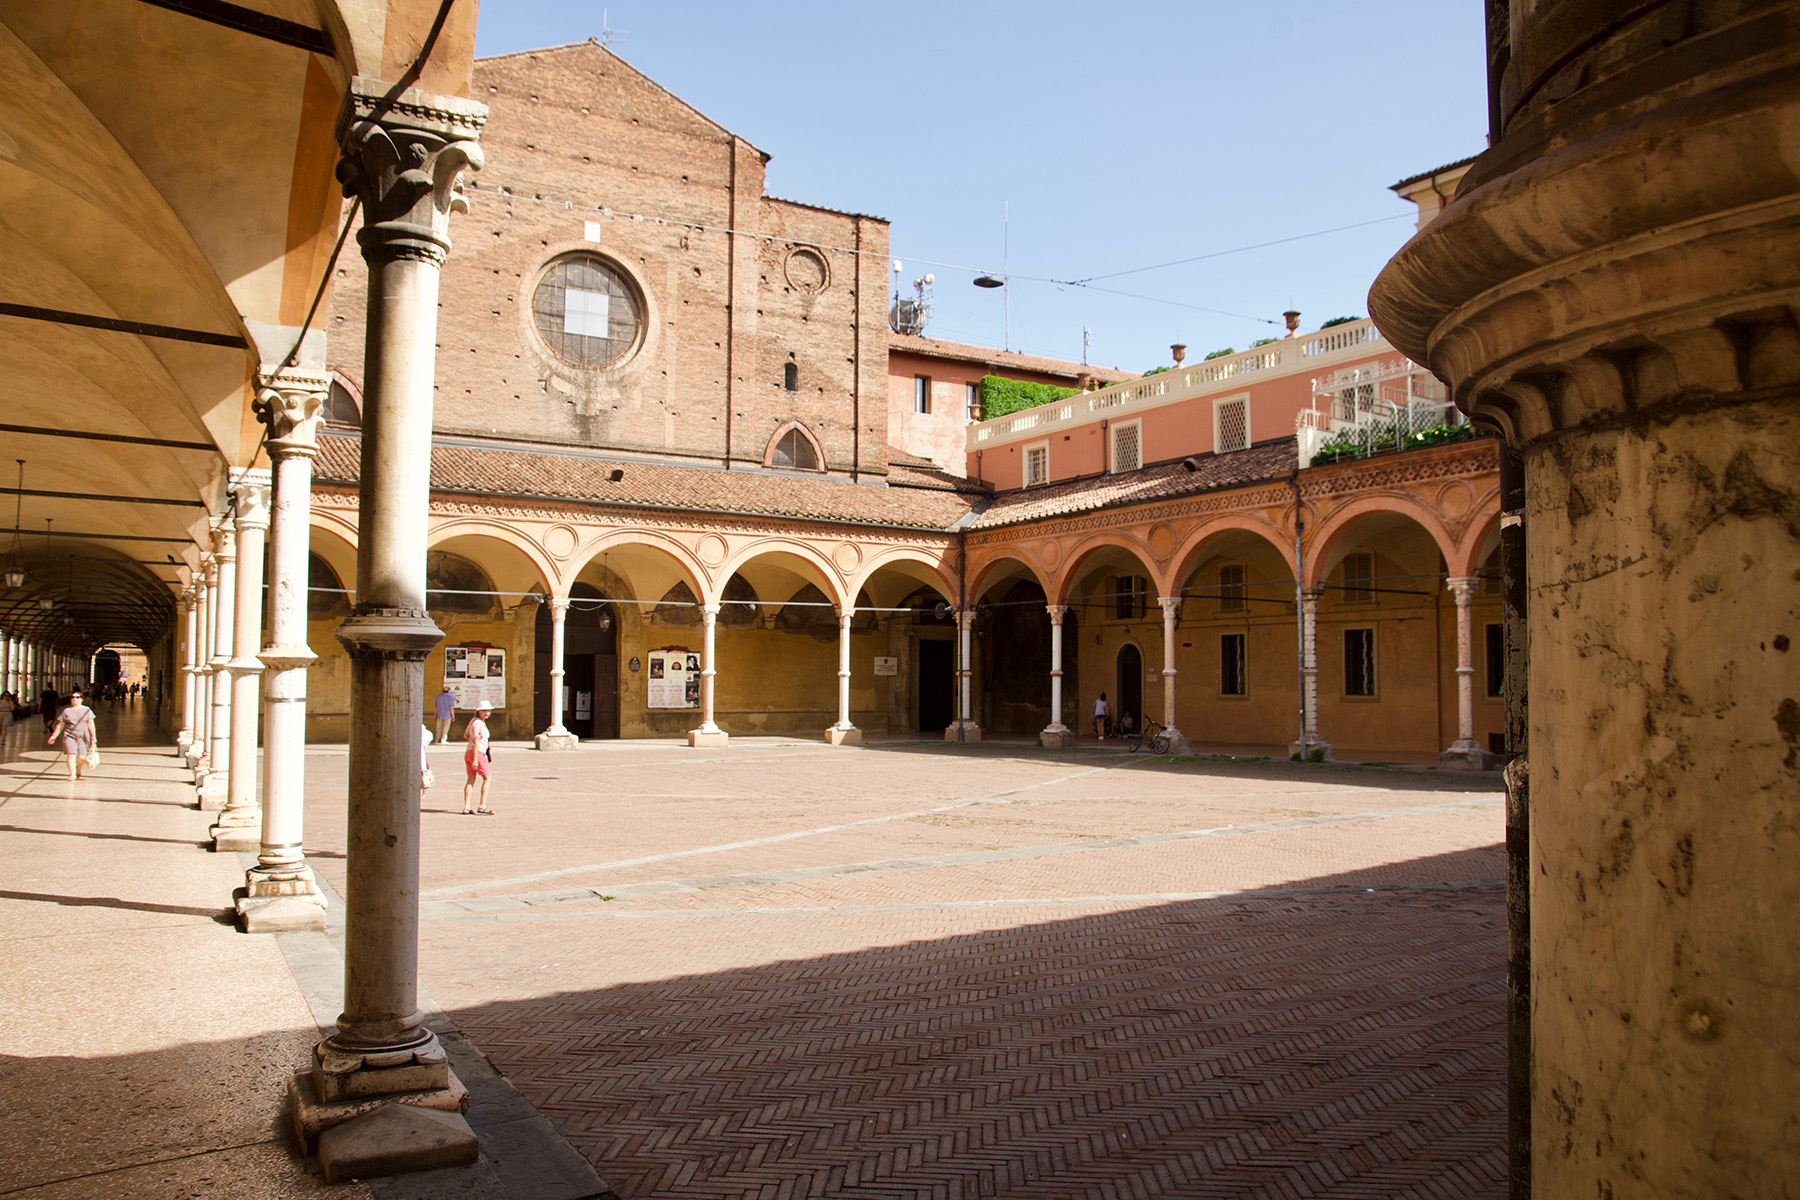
674,678
476,675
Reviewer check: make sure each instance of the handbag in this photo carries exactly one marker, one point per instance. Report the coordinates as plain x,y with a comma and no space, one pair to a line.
92,758
427,778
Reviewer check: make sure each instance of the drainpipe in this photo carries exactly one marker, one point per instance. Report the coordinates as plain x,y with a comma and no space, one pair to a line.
962,599
1299,609
731,328
856,368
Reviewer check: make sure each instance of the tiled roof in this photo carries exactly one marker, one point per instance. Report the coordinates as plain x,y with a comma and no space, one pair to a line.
904,473
987,355
1258,464
1412,179
484,469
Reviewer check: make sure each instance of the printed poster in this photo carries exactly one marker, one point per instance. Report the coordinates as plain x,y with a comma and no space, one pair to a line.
476,675
674,678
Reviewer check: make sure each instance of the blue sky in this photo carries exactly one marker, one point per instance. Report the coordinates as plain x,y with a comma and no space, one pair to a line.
1120,136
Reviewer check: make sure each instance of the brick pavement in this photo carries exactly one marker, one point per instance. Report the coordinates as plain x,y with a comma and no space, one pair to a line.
919,972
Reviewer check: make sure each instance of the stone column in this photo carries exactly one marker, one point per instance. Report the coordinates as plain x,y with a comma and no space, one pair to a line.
218,730
556,737
404,160
1171,611
1464,754
1317,748
709,733
6,661
203,678
280,892
1056,734
964,728
239,827
190,630
845,731
1615,288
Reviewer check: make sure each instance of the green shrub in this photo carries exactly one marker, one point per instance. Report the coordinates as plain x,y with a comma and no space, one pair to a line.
1264,342
1339,321
1381,435
1221,353
1000,396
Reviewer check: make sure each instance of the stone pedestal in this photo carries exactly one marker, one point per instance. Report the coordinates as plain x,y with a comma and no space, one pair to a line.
1057,737
276,900
708,737
962,731
1316,751
556,741
1461,757
844,737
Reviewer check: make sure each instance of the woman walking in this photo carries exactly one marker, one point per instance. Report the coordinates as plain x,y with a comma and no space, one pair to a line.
75,725
477,761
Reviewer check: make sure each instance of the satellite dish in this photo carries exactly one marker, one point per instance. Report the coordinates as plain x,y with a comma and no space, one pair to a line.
929,279
989,281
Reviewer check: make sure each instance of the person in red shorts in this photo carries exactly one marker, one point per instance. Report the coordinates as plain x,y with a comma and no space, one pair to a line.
478,762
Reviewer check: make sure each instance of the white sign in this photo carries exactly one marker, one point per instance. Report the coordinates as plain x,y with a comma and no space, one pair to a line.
886,666
674,679
476,675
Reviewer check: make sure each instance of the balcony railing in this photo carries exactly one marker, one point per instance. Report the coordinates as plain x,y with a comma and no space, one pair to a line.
1378,406
1277,358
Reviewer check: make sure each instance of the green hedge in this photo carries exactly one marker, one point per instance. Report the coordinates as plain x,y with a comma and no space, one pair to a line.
1002,396
1346,444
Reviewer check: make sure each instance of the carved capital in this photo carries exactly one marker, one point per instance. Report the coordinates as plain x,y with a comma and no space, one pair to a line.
1463,589
224,541
559,608
1171,606
1057,613
405,159
292,404
250,493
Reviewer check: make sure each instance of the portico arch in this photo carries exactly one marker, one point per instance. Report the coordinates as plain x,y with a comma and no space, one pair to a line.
765,562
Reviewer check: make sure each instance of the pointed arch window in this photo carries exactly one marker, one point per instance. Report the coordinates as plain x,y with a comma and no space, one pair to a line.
794,448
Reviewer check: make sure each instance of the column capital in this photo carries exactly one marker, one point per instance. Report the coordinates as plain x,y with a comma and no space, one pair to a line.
845,617
1171,605
250,488
224,540
404,159
710,611
1057,612
965,618
291,403
1463,588
559,607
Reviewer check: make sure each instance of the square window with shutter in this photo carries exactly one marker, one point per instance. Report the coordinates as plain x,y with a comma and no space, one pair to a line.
972,401
1359,578
1231,589
1231,425
1131,594
1037,466
1127,449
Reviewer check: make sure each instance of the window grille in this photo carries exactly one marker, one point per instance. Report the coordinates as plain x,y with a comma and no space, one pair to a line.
1126,453
1037,466
1496,662
1359,578
921,393
795,451
1359,662
1234,680
1231,589
1231,425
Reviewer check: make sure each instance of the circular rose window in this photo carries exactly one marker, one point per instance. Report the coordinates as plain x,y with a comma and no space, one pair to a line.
587,312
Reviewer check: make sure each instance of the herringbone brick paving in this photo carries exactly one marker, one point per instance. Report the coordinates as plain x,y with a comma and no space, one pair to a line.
1092,977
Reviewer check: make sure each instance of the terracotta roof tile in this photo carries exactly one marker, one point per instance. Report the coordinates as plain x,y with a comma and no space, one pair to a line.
933,347
483,469
1258,464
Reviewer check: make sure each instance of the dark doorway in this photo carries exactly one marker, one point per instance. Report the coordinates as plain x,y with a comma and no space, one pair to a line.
106,667
1131,687
937,680
590,666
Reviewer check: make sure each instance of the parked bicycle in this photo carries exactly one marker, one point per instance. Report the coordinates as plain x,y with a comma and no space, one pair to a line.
1154,738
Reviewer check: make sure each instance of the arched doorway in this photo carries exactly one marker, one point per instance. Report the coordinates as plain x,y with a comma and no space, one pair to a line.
590,666
1130,696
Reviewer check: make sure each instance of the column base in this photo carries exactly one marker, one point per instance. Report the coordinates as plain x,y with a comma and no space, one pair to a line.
969,731
183,740
280,901
563,740
1179,743
708,737
1056,737
313,1118
238,832
211,796
844,737
1316,751
1466,756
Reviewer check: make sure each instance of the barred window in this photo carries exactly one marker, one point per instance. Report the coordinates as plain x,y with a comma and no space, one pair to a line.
1037,466
1127,454
1359,578
1359,662
587,312
1233,678
1231,589
1231,425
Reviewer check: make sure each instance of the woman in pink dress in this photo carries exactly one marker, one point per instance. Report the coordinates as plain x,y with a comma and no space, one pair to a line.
477,762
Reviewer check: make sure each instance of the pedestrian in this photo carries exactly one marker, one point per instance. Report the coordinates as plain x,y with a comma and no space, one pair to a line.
7,700
426,778
75,726
445,710
48,703
1100,717
478,762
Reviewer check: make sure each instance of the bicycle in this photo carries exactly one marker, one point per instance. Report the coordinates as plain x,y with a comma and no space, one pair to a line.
1154,737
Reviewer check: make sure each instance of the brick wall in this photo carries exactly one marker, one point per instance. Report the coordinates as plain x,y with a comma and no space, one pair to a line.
721,312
